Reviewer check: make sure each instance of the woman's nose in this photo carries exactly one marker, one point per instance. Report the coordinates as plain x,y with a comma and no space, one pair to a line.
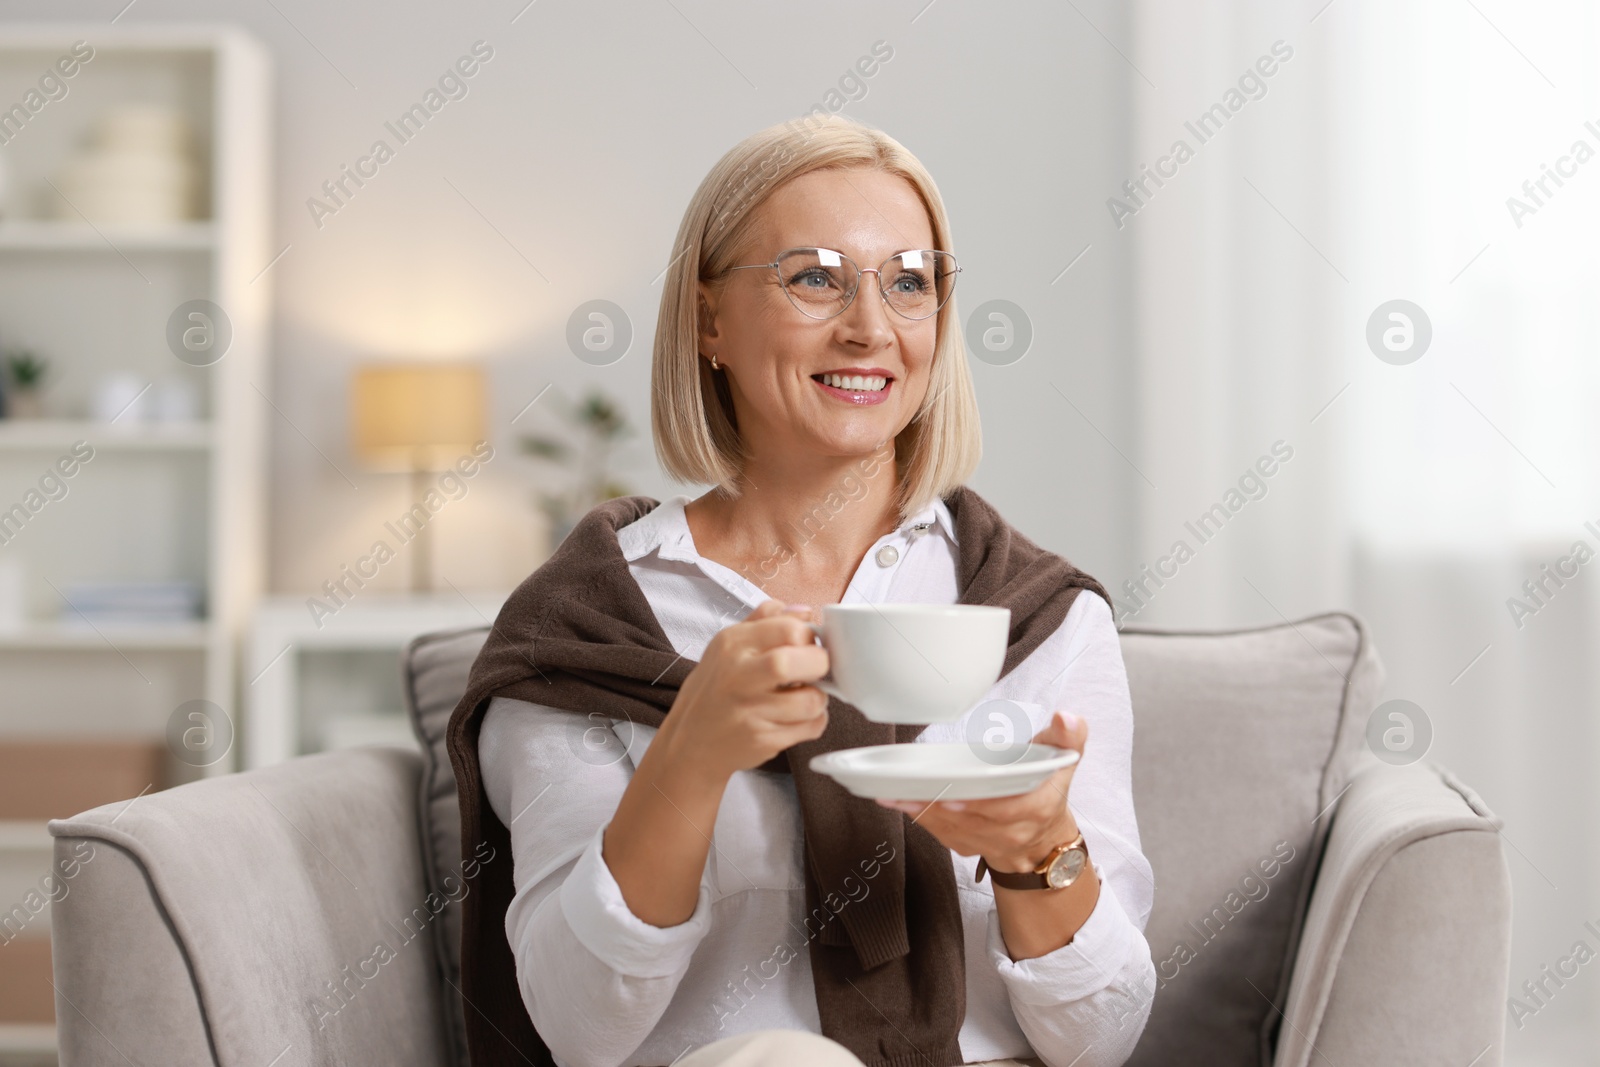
876,311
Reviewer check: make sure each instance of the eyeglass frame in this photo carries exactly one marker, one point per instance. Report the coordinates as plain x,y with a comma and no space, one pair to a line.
851,299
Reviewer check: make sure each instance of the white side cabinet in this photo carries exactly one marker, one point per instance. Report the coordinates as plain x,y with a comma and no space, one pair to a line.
318,683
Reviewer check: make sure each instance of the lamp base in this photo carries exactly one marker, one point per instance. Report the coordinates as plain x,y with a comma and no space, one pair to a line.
422,544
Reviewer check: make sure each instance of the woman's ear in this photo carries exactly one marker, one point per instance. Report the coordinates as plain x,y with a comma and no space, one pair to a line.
706,319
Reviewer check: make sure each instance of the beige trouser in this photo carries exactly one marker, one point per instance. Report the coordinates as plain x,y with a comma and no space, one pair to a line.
792,1048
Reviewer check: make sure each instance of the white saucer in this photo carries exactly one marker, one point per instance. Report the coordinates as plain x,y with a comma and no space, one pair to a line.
941,770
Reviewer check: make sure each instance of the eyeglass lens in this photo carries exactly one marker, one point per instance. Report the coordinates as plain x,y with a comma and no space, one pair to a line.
822,282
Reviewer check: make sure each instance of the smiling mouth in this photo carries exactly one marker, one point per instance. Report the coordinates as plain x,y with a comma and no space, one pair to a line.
854,383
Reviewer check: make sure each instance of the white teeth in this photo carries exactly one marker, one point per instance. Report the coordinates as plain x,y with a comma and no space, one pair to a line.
855,382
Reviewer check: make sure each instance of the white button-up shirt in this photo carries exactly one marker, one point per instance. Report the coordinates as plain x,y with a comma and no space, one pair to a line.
606,989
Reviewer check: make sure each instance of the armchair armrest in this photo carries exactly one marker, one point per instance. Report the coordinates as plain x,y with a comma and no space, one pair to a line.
234,918
1405,954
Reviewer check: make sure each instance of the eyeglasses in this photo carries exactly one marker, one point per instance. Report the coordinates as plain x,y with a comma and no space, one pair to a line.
821,283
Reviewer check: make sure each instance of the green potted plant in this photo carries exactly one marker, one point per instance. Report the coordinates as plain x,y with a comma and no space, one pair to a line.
596,424
25,372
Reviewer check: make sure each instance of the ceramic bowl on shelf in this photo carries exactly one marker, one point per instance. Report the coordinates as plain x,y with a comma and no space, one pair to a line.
139,168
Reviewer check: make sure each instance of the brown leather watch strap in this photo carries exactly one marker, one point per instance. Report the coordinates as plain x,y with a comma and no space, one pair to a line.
1038,878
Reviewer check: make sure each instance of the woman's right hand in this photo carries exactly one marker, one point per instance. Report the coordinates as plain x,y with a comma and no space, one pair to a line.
741,706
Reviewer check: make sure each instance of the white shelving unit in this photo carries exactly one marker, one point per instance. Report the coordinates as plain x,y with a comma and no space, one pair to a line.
158,502
56,435
41,235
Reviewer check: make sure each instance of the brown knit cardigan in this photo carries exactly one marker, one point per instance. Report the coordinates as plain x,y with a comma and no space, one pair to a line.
579,635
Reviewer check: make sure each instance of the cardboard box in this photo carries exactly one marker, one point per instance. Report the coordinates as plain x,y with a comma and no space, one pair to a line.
55,779
26,995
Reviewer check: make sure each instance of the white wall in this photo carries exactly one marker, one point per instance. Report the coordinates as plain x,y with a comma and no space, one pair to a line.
573,155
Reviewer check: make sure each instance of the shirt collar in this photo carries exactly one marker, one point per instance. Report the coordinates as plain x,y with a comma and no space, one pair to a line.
666,528
941,516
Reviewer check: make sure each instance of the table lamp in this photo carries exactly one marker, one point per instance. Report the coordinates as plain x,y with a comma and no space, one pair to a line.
421,418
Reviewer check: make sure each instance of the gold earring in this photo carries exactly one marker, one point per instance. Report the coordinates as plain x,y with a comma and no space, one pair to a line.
713,361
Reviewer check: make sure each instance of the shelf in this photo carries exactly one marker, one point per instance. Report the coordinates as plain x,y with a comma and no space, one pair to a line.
119,637
52,434
30,1038
25,835
391,729
123,39
374,621
45,235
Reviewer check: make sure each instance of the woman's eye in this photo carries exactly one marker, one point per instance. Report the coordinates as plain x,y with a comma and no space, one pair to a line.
910,283
810,279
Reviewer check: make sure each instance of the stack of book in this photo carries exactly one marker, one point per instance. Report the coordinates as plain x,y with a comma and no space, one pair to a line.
133,603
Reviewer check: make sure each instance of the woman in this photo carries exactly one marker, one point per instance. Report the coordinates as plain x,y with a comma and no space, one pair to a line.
637,732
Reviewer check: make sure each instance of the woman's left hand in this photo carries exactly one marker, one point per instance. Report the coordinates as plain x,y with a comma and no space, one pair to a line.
1012,833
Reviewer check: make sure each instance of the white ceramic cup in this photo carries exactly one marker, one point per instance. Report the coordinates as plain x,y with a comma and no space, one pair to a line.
912,663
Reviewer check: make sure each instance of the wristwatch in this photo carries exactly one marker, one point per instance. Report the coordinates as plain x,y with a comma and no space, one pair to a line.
1057,871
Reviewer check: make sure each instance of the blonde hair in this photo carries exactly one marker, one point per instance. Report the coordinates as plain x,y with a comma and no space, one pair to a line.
691,407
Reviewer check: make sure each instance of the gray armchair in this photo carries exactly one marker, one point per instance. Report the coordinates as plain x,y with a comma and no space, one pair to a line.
1311,902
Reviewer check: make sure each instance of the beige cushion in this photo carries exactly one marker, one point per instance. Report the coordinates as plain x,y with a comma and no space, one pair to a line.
436,667
1241,742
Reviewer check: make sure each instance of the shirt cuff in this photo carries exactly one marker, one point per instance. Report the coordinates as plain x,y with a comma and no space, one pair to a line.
1080,968
599,917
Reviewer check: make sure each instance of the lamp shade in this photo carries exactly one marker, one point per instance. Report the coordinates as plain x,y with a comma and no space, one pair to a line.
416,416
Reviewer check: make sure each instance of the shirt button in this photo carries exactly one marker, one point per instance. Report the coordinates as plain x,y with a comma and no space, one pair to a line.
887,555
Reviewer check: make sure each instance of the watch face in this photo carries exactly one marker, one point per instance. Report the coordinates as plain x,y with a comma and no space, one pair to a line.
1066,868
